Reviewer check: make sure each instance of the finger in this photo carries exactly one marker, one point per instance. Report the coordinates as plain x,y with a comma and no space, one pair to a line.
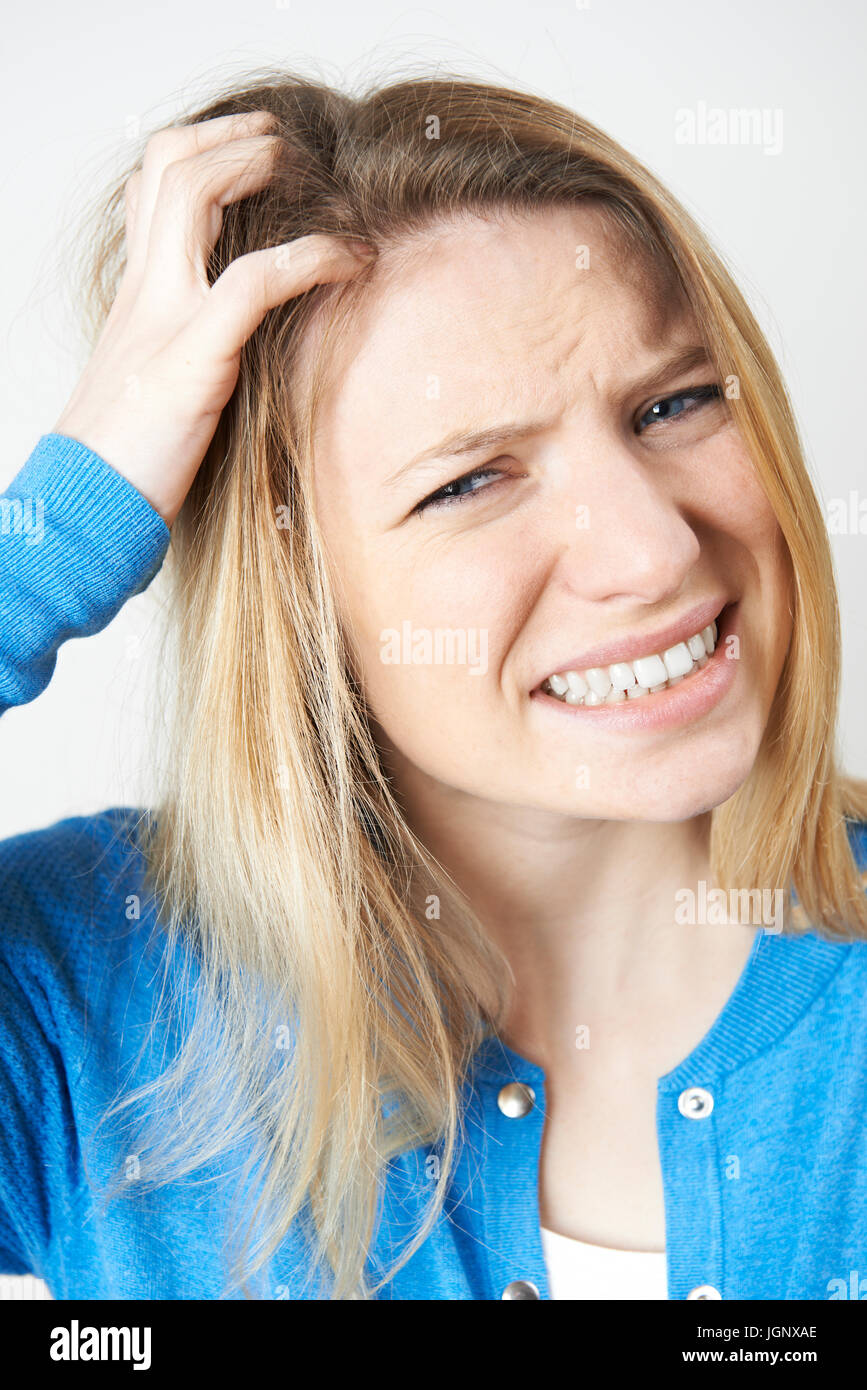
189,210
238,301
168,146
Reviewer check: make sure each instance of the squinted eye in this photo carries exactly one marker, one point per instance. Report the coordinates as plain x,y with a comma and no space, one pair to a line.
670,407
465,486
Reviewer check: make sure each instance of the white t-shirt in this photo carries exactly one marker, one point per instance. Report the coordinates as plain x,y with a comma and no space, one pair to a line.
577,1270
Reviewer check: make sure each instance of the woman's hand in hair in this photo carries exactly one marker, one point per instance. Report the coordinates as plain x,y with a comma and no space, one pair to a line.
168,356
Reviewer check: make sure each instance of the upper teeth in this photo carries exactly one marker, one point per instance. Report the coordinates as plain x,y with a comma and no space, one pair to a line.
600,685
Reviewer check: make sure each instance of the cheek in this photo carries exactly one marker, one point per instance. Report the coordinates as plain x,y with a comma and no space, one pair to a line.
744,512
742,515
723,487
433,629
744,530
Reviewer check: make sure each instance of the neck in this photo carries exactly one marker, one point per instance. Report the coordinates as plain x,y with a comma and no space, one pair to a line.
584,912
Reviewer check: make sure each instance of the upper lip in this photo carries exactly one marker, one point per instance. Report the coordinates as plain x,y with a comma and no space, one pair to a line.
645,643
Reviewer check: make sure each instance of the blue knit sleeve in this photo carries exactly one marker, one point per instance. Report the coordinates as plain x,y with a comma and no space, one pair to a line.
76,541
65,946
33,1152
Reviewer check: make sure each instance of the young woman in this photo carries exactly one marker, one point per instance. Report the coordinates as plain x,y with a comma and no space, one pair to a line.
499,932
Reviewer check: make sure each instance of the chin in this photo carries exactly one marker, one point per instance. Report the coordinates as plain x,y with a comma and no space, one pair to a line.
677,799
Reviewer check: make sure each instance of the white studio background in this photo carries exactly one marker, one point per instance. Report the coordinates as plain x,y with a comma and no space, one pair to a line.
788,213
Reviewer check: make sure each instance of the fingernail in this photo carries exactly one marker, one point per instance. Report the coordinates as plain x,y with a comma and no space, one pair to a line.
358,248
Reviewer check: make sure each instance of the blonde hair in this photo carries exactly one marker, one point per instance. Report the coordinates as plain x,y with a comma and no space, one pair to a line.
331,1017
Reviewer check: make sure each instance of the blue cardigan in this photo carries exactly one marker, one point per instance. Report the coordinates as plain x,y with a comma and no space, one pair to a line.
762,1128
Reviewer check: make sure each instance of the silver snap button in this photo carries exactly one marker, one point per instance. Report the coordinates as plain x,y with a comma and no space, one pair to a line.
516,1100
520,1288
704,1291
695,1103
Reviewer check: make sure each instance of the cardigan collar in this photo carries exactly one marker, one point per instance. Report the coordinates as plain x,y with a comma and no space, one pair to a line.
782,978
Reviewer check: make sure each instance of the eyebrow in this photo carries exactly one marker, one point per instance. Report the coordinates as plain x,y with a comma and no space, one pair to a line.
461,441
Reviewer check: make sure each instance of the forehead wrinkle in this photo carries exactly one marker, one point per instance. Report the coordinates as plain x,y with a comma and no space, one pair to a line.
633,274
402,260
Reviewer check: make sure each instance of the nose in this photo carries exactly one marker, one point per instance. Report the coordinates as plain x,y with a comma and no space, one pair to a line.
624,532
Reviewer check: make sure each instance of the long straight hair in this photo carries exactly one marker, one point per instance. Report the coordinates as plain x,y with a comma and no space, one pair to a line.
326,1015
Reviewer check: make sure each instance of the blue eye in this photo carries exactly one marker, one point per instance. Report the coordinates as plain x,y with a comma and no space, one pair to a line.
460,488
670,407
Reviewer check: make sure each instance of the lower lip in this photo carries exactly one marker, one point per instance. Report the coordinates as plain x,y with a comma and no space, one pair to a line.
692,697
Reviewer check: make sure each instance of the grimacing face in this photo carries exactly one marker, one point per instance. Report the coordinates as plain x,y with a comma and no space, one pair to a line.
594,531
